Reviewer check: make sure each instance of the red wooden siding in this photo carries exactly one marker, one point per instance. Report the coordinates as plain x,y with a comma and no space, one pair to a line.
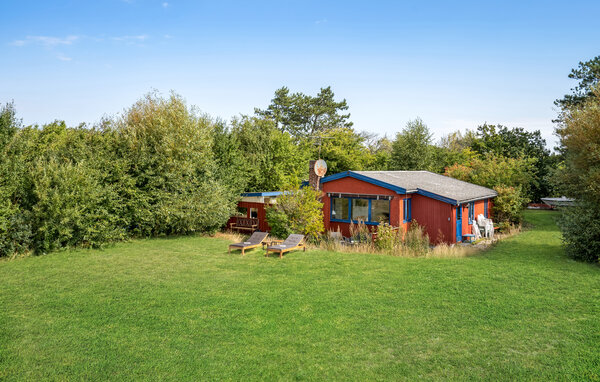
436,217
262,214
355,186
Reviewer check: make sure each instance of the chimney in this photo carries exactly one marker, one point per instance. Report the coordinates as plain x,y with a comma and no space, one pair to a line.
313,178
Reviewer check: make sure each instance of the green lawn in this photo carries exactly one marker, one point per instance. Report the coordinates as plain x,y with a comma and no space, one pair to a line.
183,308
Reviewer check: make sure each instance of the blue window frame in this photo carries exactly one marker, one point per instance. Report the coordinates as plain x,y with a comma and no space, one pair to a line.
471,212
407,207
369,211
485,208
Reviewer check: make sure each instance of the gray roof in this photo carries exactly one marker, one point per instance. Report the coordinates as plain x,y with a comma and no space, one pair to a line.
441,185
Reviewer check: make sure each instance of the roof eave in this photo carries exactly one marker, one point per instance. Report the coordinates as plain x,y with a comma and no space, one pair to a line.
364,178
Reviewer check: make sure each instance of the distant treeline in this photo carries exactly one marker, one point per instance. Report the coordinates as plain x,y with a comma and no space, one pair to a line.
163,168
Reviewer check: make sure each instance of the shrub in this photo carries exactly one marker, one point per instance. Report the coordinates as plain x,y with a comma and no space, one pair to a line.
297,211
580,226
388,237
15,230
151,171
508,205
71,207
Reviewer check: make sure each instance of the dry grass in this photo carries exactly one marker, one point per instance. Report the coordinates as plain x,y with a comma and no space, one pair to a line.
439,251
447,251
234,237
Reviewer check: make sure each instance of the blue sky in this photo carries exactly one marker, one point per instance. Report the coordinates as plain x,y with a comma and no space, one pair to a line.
454,64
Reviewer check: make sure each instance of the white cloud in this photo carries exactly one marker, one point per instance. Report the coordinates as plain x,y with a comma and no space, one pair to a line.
165,4
138,38
322,21
63,57
46,41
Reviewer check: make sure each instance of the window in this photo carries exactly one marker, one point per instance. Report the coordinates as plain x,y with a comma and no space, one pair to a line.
380,210
254,213
242,212
370,211
485,209
339,208
459,212
360,209
471,212
407,207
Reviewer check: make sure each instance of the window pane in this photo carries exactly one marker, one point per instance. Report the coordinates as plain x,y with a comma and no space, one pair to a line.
339,208
360,209
380,211
254,213
242,211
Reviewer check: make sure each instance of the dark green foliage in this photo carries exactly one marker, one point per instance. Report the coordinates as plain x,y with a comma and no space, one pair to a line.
412,148
271,158
343,150
588,75
301,114
150,172
9,124
518,143
279,222
579,177
580,226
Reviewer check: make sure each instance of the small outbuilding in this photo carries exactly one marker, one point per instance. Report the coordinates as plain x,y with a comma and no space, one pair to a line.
251,213
445,206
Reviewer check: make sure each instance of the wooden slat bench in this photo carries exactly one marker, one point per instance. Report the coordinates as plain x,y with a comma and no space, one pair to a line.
244,224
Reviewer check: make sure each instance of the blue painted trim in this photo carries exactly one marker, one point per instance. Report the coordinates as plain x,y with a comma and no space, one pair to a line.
485,208
437,197
271,193
369,222
364,178
471,211
406,210
352,221
397,189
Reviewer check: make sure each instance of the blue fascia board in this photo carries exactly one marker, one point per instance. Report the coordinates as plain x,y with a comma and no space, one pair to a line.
271,193
364,178
437,197
353,221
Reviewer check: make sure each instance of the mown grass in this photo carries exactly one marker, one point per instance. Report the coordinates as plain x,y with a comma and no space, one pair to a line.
183,309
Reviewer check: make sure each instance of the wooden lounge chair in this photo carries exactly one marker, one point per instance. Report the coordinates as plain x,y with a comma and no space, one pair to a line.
256,240
292,243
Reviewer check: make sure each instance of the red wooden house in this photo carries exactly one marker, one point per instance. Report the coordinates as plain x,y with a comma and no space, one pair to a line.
446,207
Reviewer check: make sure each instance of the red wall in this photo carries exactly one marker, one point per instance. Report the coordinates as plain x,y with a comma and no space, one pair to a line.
437,217
262,215
479,210
355,186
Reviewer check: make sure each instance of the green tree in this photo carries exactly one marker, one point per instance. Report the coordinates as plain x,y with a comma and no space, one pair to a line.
343,150
272,159
9,124
301,114
171,167
518,143
510,177
380,149
412,148
588,75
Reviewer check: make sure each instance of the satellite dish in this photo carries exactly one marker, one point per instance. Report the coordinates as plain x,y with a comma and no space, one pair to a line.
320,167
